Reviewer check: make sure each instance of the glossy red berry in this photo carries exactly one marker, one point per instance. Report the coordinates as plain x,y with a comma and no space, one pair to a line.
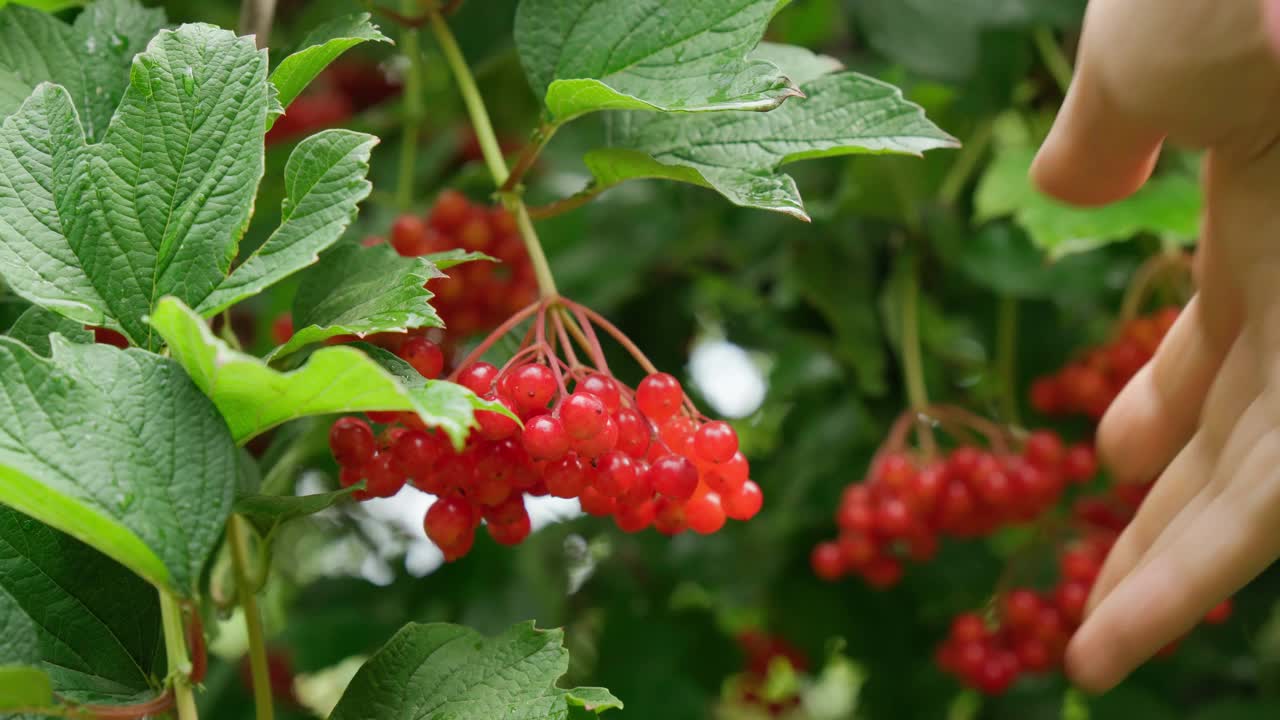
596,503
1070,597
637,517
716,442
450,210
598,444
859,549
416,452
827,561
1080,463
968,628
883,572
893,518
1044,450
678,433
603,387
513,532
634,433
674,477
532,386
495,425
659,396
544,438
425,356
448,520
743,504
409,236
704,514
478,377
351,441
567,477
583,415
616,474
1020,608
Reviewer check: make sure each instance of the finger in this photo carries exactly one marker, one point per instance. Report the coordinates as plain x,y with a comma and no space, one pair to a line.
1156,413
1271,22
1230,542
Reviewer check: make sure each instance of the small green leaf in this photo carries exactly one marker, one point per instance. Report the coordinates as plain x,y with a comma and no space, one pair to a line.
35,324
324,182
438,670
23,687
583,56
90,57
738,153
86,624
1169,205
253,397
319,48
118,449
357,290
157,207
266,511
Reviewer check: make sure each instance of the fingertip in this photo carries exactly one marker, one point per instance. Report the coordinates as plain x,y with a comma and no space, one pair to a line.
1088,667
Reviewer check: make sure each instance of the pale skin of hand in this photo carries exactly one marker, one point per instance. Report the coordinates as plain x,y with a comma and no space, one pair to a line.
1204,415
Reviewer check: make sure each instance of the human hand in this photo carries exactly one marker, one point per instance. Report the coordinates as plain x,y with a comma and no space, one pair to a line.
1204,414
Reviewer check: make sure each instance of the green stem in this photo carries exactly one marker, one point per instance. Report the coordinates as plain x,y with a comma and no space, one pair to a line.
413,111
175,645
1007,358
228,333
238,537
912,356
1054,59
492,151
529,156
967,162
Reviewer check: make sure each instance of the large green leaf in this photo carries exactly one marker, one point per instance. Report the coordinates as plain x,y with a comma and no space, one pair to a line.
738,153
99,232
319,48
324,182
267,511
1169,205
35,324
90,57
583,56
118,449
84,622
254,397
357,290
438,670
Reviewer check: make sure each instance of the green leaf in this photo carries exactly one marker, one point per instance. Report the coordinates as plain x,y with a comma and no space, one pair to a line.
800,64
90,57
319,48
738,153
118,449
441,670
35,324
86,625
1168,205
324,182
254,397
49,6
24,687
266,511
360,291
103,231
583,56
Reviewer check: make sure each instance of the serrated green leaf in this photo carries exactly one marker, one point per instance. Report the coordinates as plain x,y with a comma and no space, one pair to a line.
801,65
434,670
738,153
100,232
118,449
324,182
49,6
35,324
90,57
319,48
265,511
583,56
1168,205
357,290
86,624
253,397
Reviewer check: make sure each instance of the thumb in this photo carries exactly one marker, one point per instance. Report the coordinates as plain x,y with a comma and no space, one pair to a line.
1271,22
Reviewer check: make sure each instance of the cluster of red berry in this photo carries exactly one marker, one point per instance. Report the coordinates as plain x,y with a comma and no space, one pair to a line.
1030,629
760,651
345,88
1088,385
904,507
643,456
476,296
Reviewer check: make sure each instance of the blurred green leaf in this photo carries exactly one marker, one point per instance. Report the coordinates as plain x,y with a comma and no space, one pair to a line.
24,687
34,326
320,48
267,511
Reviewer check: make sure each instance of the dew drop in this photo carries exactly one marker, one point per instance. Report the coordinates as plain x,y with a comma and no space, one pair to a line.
91,45
118,41
188,80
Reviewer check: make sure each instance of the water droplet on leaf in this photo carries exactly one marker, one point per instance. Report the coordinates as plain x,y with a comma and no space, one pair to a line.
188,80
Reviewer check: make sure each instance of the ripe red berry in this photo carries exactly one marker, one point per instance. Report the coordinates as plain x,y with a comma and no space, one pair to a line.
678,433
716,442
1044,450
704,514
566,477
894,470
637,517
1080,565
351,441
1020,609
616,474
512,532
659,396
583,415
450,210
425,356
600,443
544,438
923,489
1033,655
634,433
743,504
1080,463
1220,613
859,549
495,425
1071,597
999,670
416,452
532,386
968,628
673,476
448,520
596,503
282,329
827,561
603,387
883,572
892,518
459,549
382,417
478,377
409,236
669,517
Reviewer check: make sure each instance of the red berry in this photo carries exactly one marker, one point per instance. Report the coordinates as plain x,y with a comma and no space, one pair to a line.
450,210
968,628
448,520
637,517
678,433
544,438
383,417
883,572
704,514
1220,613
634,433
1033,655
743,504
600,443
478,377
716,442
282,329
720,481
603,387
459,549
532,386
409,236
673,476
107,336
1080,565
583,415
351,441
1080,463
495,425
923,489
566,477
416,452
1071,597
1046,397
1020,609
858,549
827,561
616,474
512,532
999,670
425,356
659,396
895,470
1044,450
669,517
892,518
596,503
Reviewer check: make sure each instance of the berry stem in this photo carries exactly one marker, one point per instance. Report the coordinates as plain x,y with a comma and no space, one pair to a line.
497,335
618,335
413,110
175,645
912,358
966,163
238,537
1054,59
557,322
528,156
1007,358
492,151
559,207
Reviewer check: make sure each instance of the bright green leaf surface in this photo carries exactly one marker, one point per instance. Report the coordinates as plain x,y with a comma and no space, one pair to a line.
254,397
264,511
90,57
359,291
24,687
100,232
738,153
321,47
324,182
801,65
35,324
81,621
118,449
439,670
1169,204
583,56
